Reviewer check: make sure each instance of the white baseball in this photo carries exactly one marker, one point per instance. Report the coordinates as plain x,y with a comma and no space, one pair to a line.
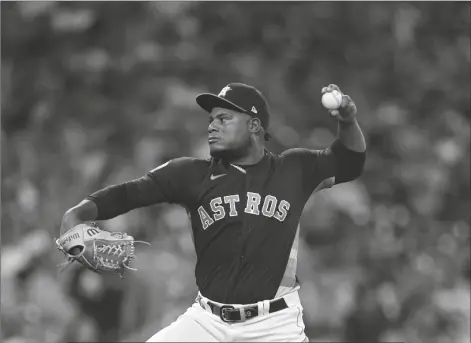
332,100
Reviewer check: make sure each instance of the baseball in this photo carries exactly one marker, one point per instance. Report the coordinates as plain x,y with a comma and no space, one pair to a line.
332,100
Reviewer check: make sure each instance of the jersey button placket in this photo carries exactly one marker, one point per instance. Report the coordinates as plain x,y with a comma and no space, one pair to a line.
246,225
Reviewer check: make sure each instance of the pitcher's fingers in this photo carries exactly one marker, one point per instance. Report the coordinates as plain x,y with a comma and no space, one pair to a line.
334,87
334,113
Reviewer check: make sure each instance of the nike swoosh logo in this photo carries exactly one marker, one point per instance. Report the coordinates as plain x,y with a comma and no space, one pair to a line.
214,177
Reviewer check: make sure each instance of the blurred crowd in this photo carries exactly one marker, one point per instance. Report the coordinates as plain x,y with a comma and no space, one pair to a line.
98,93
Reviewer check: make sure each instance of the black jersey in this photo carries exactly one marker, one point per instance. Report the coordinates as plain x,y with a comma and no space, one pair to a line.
244,219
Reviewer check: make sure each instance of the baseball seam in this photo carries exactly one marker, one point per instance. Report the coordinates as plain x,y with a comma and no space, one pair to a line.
339,101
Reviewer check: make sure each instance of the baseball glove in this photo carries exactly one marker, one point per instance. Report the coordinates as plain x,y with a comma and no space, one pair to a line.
99,250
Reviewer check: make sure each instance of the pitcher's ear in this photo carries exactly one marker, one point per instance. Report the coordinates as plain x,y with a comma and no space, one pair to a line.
255,125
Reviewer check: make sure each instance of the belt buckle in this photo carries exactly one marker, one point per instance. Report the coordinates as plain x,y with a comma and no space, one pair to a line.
222,313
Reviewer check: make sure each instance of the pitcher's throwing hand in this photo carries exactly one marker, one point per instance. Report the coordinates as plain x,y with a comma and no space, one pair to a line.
347,110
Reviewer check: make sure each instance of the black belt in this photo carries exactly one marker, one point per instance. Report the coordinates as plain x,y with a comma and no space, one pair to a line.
229,313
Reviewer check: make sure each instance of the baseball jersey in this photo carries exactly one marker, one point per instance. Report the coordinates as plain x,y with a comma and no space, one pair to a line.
244,219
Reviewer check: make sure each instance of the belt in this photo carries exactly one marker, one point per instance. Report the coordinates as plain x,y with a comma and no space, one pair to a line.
229,313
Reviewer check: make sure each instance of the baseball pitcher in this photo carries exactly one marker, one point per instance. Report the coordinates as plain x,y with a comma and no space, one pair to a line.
244,204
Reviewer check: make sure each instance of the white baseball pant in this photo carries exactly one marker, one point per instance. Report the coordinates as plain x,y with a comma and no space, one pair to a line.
199,324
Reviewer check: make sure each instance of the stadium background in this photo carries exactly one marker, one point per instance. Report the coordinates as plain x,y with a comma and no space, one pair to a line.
96,93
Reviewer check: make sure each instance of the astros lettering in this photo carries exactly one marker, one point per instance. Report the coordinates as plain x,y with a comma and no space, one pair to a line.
271,208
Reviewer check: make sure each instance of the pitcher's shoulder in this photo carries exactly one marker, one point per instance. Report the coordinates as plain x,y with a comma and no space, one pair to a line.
192,164
183,165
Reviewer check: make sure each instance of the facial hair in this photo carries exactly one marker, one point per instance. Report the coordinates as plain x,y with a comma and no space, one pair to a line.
231,154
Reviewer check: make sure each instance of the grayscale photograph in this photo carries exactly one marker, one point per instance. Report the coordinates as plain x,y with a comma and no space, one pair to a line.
235,171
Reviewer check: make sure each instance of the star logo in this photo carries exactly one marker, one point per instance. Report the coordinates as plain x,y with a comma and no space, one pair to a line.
224,91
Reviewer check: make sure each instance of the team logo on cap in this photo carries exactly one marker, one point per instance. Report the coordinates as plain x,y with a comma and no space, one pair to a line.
254,110
224,91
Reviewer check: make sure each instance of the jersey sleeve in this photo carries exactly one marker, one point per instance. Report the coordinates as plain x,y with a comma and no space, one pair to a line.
314,167
325,168
168,183
173,180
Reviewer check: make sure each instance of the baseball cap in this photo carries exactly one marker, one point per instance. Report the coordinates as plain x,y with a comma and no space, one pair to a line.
238,97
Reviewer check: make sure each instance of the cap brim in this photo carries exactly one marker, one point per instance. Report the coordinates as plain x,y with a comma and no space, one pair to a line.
208,101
